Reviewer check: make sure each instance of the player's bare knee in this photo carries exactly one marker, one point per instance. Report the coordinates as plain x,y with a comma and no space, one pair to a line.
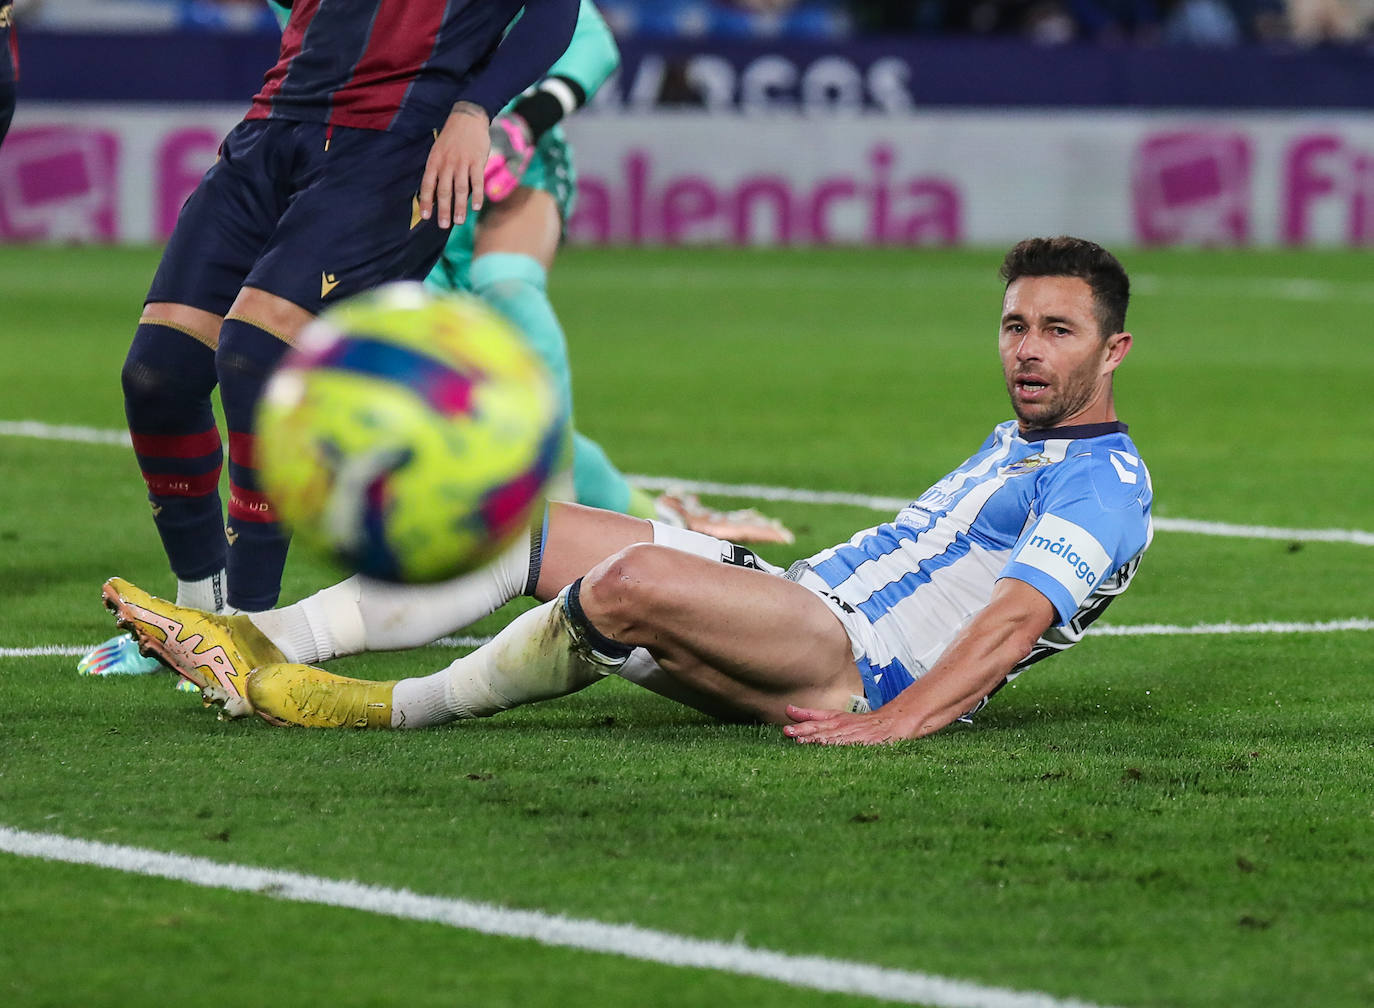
621,594
274,315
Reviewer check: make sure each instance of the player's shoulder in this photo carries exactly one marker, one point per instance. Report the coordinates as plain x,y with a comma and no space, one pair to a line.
1112,465
1096,461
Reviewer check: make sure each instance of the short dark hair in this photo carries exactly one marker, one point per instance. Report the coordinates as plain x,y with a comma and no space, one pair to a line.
1076,257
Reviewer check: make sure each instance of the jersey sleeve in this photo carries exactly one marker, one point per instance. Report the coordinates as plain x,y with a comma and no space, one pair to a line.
1092,517
534,43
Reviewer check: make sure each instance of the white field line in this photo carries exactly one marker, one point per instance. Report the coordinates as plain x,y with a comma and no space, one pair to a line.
1125,630
810,972
1358,537
63,432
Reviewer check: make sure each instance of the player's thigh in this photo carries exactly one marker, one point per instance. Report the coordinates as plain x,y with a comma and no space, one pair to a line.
225,223
353,222
532,218
270,313
453,271
525,222
749,636
577,538
552,170
201,325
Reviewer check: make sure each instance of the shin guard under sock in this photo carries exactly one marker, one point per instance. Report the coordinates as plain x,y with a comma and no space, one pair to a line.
168,377
257,544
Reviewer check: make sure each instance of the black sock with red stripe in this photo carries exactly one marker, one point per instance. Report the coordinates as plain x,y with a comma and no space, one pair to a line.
168,377
257,543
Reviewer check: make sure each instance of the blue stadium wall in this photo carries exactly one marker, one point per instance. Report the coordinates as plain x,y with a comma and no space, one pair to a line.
923,141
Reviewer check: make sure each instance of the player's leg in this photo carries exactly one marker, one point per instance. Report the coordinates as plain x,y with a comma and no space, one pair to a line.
168,377
731,641
349,226
590,556
751,639
218,652
256,333
556,649
364,614
169,373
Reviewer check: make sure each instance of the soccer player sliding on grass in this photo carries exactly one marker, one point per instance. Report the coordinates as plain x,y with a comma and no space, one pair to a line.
894,634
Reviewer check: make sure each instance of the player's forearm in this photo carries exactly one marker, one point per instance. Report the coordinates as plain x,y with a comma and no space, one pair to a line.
973,666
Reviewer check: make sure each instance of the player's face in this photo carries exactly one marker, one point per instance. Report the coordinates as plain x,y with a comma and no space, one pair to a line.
1057,365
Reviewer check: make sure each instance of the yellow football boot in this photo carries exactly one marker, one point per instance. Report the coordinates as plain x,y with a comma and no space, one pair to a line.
310,697
214,652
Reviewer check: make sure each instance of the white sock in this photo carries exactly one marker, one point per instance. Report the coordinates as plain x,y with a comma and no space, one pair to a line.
207,594
328,624
539,656
396,617
364,614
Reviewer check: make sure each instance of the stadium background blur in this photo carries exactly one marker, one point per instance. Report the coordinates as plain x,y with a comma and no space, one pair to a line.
1134,122
1206,22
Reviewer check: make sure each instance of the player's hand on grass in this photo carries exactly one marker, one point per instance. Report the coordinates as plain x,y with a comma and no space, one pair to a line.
455,167
512,147
831,727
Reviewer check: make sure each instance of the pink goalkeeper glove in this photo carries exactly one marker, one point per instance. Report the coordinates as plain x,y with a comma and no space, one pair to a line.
512,146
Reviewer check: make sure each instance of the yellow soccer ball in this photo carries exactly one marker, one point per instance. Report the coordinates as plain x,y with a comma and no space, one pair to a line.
411,435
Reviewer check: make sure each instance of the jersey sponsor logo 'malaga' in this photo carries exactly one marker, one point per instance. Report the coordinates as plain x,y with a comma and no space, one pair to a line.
1067,552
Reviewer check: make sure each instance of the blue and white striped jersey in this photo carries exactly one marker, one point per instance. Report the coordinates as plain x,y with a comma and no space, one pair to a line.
1065,510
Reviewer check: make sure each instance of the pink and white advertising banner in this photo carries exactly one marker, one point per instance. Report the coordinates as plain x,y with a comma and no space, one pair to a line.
92,173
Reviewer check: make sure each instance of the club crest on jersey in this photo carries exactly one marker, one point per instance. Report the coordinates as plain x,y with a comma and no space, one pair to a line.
1028,464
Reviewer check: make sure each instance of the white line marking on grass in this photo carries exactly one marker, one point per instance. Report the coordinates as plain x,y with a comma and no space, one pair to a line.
1356,537
893,504
1201,629
59,432
811,972
91,435
1125,630
56,651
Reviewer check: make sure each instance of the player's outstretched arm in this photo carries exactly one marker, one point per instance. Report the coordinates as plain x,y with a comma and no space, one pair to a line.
987,649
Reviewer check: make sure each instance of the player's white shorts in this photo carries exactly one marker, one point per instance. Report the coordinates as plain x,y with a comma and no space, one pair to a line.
876,657
884,674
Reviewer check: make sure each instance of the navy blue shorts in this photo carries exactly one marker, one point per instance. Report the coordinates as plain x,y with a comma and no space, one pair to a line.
308,213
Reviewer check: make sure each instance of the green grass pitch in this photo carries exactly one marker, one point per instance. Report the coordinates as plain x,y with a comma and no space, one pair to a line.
1170,819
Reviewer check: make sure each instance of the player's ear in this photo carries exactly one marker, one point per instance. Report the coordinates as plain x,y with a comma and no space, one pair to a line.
1118,345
